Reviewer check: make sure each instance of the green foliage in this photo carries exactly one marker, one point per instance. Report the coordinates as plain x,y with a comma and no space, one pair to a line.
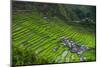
90,55
64,12
24,56
35,37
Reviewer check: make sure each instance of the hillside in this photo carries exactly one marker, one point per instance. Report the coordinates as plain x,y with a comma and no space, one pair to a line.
37,29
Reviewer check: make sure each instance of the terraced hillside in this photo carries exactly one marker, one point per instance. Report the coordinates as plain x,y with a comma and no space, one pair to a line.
36,39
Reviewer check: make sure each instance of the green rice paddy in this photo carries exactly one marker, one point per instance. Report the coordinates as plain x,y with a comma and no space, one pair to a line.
34,38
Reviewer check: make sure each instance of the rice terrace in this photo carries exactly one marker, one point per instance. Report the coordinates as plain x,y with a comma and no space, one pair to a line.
51,33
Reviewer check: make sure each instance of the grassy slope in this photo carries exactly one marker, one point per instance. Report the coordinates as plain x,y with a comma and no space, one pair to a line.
34,35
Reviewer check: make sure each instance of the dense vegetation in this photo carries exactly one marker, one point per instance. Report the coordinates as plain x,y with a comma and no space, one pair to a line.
38,27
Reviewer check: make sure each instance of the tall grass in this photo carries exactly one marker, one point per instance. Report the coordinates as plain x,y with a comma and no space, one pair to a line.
24,56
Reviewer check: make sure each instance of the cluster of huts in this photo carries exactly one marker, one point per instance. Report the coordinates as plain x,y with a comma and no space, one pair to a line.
73,47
